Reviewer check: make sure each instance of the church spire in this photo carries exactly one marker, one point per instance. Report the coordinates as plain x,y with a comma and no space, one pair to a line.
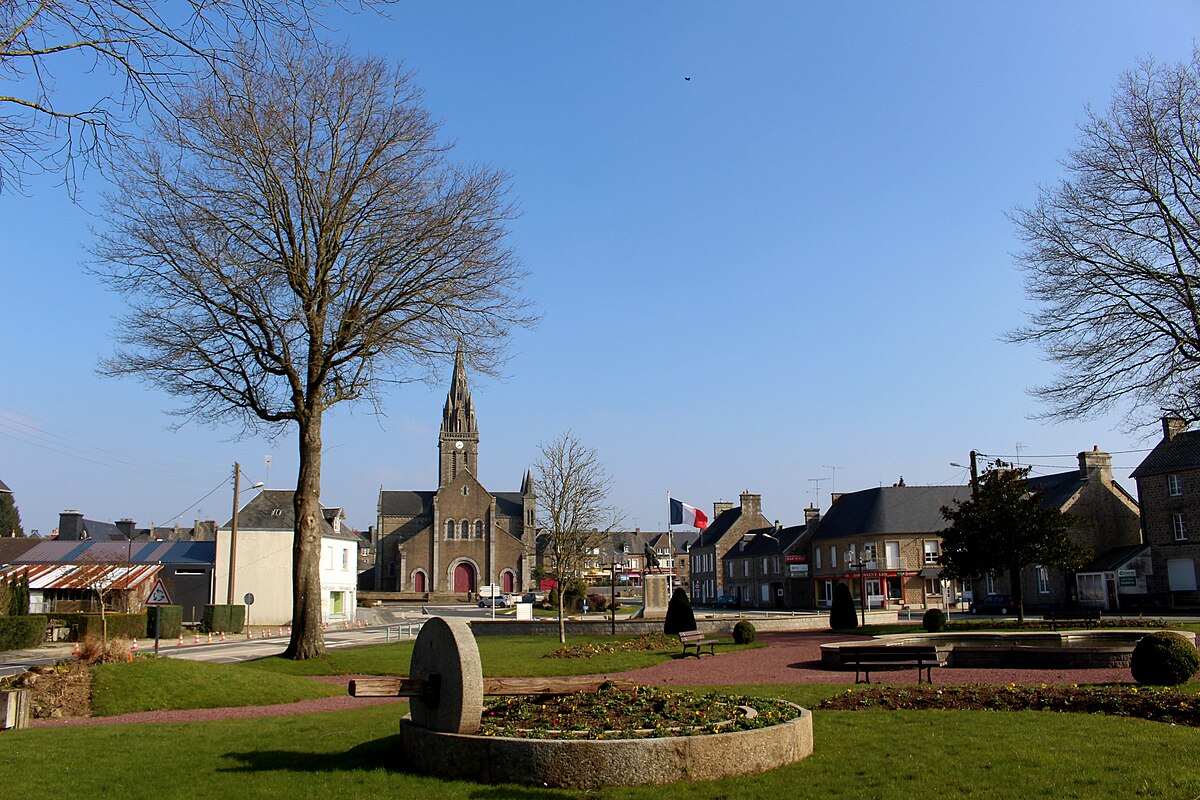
458,416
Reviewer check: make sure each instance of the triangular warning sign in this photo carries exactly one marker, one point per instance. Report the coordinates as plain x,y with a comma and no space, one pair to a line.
158,595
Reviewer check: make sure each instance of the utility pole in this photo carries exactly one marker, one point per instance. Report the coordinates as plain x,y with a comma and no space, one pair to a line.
974,475
237,479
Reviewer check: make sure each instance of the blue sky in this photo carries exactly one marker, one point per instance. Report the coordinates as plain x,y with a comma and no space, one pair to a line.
798,259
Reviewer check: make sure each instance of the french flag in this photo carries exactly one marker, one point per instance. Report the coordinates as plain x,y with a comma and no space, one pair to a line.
683,514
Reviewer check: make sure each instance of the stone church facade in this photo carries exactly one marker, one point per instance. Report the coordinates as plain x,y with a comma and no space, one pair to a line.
461,536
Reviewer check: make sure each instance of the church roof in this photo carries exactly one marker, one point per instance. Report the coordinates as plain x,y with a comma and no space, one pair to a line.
406,504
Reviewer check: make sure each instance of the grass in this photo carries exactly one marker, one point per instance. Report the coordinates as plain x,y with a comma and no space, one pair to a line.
156,684
502,657
863,754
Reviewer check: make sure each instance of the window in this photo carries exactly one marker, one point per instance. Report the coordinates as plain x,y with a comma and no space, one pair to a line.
329,557
1181,574
816,558
891,554
868,551
478,529
933,586
764,566
766,593
832,556
1180,527
746,568
989,584
1043,579
464,530
1174,486
345,558
931,551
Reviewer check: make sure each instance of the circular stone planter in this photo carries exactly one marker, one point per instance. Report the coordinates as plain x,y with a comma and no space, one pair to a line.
586,764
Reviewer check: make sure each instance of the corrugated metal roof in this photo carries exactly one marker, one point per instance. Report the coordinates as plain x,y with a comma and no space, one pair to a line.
84,576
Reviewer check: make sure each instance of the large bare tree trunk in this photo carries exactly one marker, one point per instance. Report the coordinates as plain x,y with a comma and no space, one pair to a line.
307,641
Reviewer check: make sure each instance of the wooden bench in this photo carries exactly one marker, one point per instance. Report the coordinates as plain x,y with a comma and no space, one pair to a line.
869,658
1090,617
696,640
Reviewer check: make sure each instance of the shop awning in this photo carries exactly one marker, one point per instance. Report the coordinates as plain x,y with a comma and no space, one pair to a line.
930,572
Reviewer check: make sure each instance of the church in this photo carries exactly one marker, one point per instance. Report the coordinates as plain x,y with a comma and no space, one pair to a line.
461,536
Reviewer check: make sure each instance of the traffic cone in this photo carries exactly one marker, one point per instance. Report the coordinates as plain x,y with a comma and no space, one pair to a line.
289,633
324,626
75,652
197,638
210,637
180,642
133,647
222,636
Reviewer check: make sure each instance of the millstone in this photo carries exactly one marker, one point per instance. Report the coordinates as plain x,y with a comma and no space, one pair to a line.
445,654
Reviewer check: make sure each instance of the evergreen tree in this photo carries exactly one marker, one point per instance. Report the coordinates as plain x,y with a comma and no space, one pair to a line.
680,616
1004,527
842,615
10,517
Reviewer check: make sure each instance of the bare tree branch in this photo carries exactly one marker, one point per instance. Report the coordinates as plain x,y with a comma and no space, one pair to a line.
298,242
118,57
1112,255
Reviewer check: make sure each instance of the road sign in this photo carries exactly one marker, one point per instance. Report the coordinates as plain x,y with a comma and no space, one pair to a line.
158,595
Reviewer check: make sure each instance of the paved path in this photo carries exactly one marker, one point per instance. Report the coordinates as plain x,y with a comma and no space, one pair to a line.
787,658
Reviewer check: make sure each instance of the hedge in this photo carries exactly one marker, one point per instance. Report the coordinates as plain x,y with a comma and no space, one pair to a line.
172,621
223,619
120,626
18,633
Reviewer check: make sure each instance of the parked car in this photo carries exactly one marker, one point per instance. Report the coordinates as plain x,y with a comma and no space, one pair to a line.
726,601
500,601
993,604
533,597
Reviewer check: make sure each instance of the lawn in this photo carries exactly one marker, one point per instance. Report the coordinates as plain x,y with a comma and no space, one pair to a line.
502,657
873,754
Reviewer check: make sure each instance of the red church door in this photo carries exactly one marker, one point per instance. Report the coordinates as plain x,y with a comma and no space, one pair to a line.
464,578
506,582
419,582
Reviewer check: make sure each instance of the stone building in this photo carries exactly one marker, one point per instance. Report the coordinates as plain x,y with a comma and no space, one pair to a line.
460,536
1168,484
706,560
758,570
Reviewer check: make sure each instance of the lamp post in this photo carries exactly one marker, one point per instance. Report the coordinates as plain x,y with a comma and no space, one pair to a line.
851,558
612,598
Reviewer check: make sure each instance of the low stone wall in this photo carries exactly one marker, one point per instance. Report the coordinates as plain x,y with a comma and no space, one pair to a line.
590,764
721,624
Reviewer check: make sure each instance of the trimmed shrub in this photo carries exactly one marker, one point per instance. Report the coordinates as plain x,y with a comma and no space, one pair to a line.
1164,658
223,619
934,620
89,626
842,615
172,621
18,633
743,633
680,616
597,602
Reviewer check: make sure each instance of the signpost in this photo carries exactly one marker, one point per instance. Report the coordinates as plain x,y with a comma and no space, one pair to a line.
158,597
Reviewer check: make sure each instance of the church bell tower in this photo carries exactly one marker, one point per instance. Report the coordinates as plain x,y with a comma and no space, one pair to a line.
458,442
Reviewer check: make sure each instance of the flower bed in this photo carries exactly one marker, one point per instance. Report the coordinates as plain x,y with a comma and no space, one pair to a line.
644,712
646,643
1170,705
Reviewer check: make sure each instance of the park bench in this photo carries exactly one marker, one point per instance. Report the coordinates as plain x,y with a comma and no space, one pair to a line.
695,639
1090,617
869,658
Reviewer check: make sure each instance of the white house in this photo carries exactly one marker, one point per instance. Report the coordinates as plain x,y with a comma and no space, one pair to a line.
262,559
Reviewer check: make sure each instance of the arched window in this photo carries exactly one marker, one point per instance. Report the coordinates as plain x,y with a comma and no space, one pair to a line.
449,529
478,529
464,530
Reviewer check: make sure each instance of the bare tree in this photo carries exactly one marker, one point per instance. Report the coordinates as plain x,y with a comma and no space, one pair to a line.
572,487
115,56
296,243
1112,254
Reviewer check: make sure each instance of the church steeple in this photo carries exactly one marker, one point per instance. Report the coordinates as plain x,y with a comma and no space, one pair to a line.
458,442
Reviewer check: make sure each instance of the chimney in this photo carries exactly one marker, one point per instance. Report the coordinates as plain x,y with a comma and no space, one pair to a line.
126,526
811,515
720,507
1173,426
751,503
834,497
70,525
205,530
1095,466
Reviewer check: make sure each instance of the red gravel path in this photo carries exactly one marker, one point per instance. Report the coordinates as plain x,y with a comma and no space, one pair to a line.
788,658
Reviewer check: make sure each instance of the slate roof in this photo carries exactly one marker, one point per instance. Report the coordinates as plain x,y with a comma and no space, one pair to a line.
890,510
1114,559
761,542
406,504
4,488
1179,453
12,549
719,527
272,510
67,552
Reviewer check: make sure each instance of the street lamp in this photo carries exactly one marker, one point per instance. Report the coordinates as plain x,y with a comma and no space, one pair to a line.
852,561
